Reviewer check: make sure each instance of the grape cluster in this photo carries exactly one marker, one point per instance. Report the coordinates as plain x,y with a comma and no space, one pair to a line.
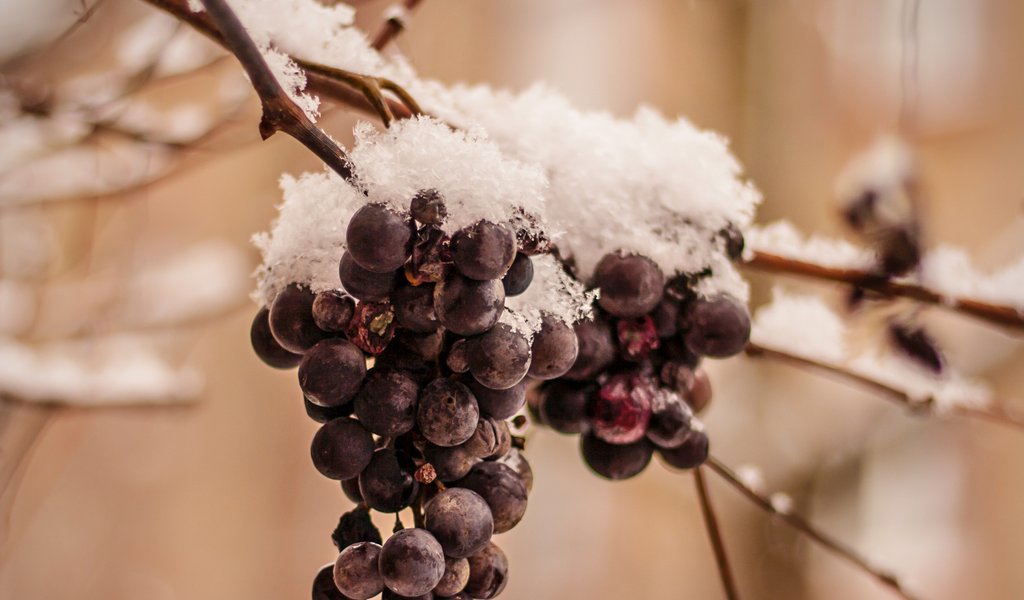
637,381
425,426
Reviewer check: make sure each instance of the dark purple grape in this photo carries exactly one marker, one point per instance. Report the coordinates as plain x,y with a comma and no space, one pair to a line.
518,463
356,572
291,320
631,286
500,358
483,250
460,596
412,562
675,350
732,240
428,207
555,348
341,448
916,344
351,488
485,440
324,587
386,404
692,384
499,404
372,327
458,356
691,453
900,250
717,327
431,256
363,284
456,575
450,462
503,490
460,520
397,356
519,276
447,413
670,421
468,307
615,461
564,405
427,346
503,440
389,595
266,347
323,414
637,338
596,349
414,307
379,239
332,310
331,372
355,526
621,409
488,573
387,484
665,318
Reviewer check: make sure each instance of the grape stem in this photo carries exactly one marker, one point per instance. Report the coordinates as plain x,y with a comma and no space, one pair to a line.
394,25
715,536
916,406
1006,316
807,528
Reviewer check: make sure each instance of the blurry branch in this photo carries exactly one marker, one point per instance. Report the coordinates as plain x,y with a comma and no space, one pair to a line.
807,528
993,313
925,406
715,536
395,23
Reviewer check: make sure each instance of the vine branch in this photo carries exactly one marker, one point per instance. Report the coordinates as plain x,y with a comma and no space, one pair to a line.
807,528
1006,316
715,535
394,25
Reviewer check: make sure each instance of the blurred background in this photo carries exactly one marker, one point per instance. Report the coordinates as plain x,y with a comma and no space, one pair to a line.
208,493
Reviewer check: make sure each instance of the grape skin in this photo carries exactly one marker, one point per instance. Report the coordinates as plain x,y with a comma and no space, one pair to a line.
483,251
414,307
386,404
691,453
332,310
331,372
555,348
519,276
499,404
631,285
718,327
428,207
323,585
341,448
450,462
355,526
500,358
488,573
596,349
363,284
412,562
503,490
467,307
615,461
460,520
447,413
455,578
356,572
387,483
323,414
670,423
379,239
291,320
564,406
268,349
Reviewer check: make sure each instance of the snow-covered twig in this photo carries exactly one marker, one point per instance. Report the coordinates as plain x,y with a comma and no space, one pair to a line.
715,536
396,22
804,526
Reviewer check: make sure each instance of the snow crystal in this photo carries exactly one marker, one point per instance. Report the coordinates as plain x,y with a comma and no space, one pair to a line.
553,292
752,477
781,238
800,324
948,271
781,503
293,80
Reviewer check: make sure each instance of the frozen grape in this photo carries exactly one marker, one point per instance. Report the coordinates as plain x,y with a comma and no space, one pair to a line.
665,318
268,349
428,207
350,487
621,409
355,526
450,462
564,405
372,327
500,358
458,356
518,463
615,461
386,404
503,490
499,404
555,348
631,285
732,239
488,573
412,562
364,284
331,372
460,520
484,250
291,320
387,484
431,256
427,346
414,307
447,413
637,338
332,310
356,572
691,453
341,448
596,349
324,587
718,326
456,575
378,238
468,307
519,276
670,421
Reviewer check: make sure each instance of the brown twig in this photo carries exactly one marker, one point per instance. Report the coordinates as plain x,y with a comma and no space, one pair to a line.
715,535
1007,316
916,406
394,25
804,526
280,113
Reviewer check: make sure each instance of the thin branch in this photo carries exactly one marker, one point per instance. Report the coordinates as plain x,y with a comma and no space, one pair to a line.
1007,316
280,113
916,406
715,535
394,25
804,526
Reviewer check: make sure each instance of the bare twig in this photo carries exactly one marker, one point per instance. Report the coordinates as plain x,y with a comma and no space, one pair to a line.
916,406
394,24
804,526
715,535
280,113
993,313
